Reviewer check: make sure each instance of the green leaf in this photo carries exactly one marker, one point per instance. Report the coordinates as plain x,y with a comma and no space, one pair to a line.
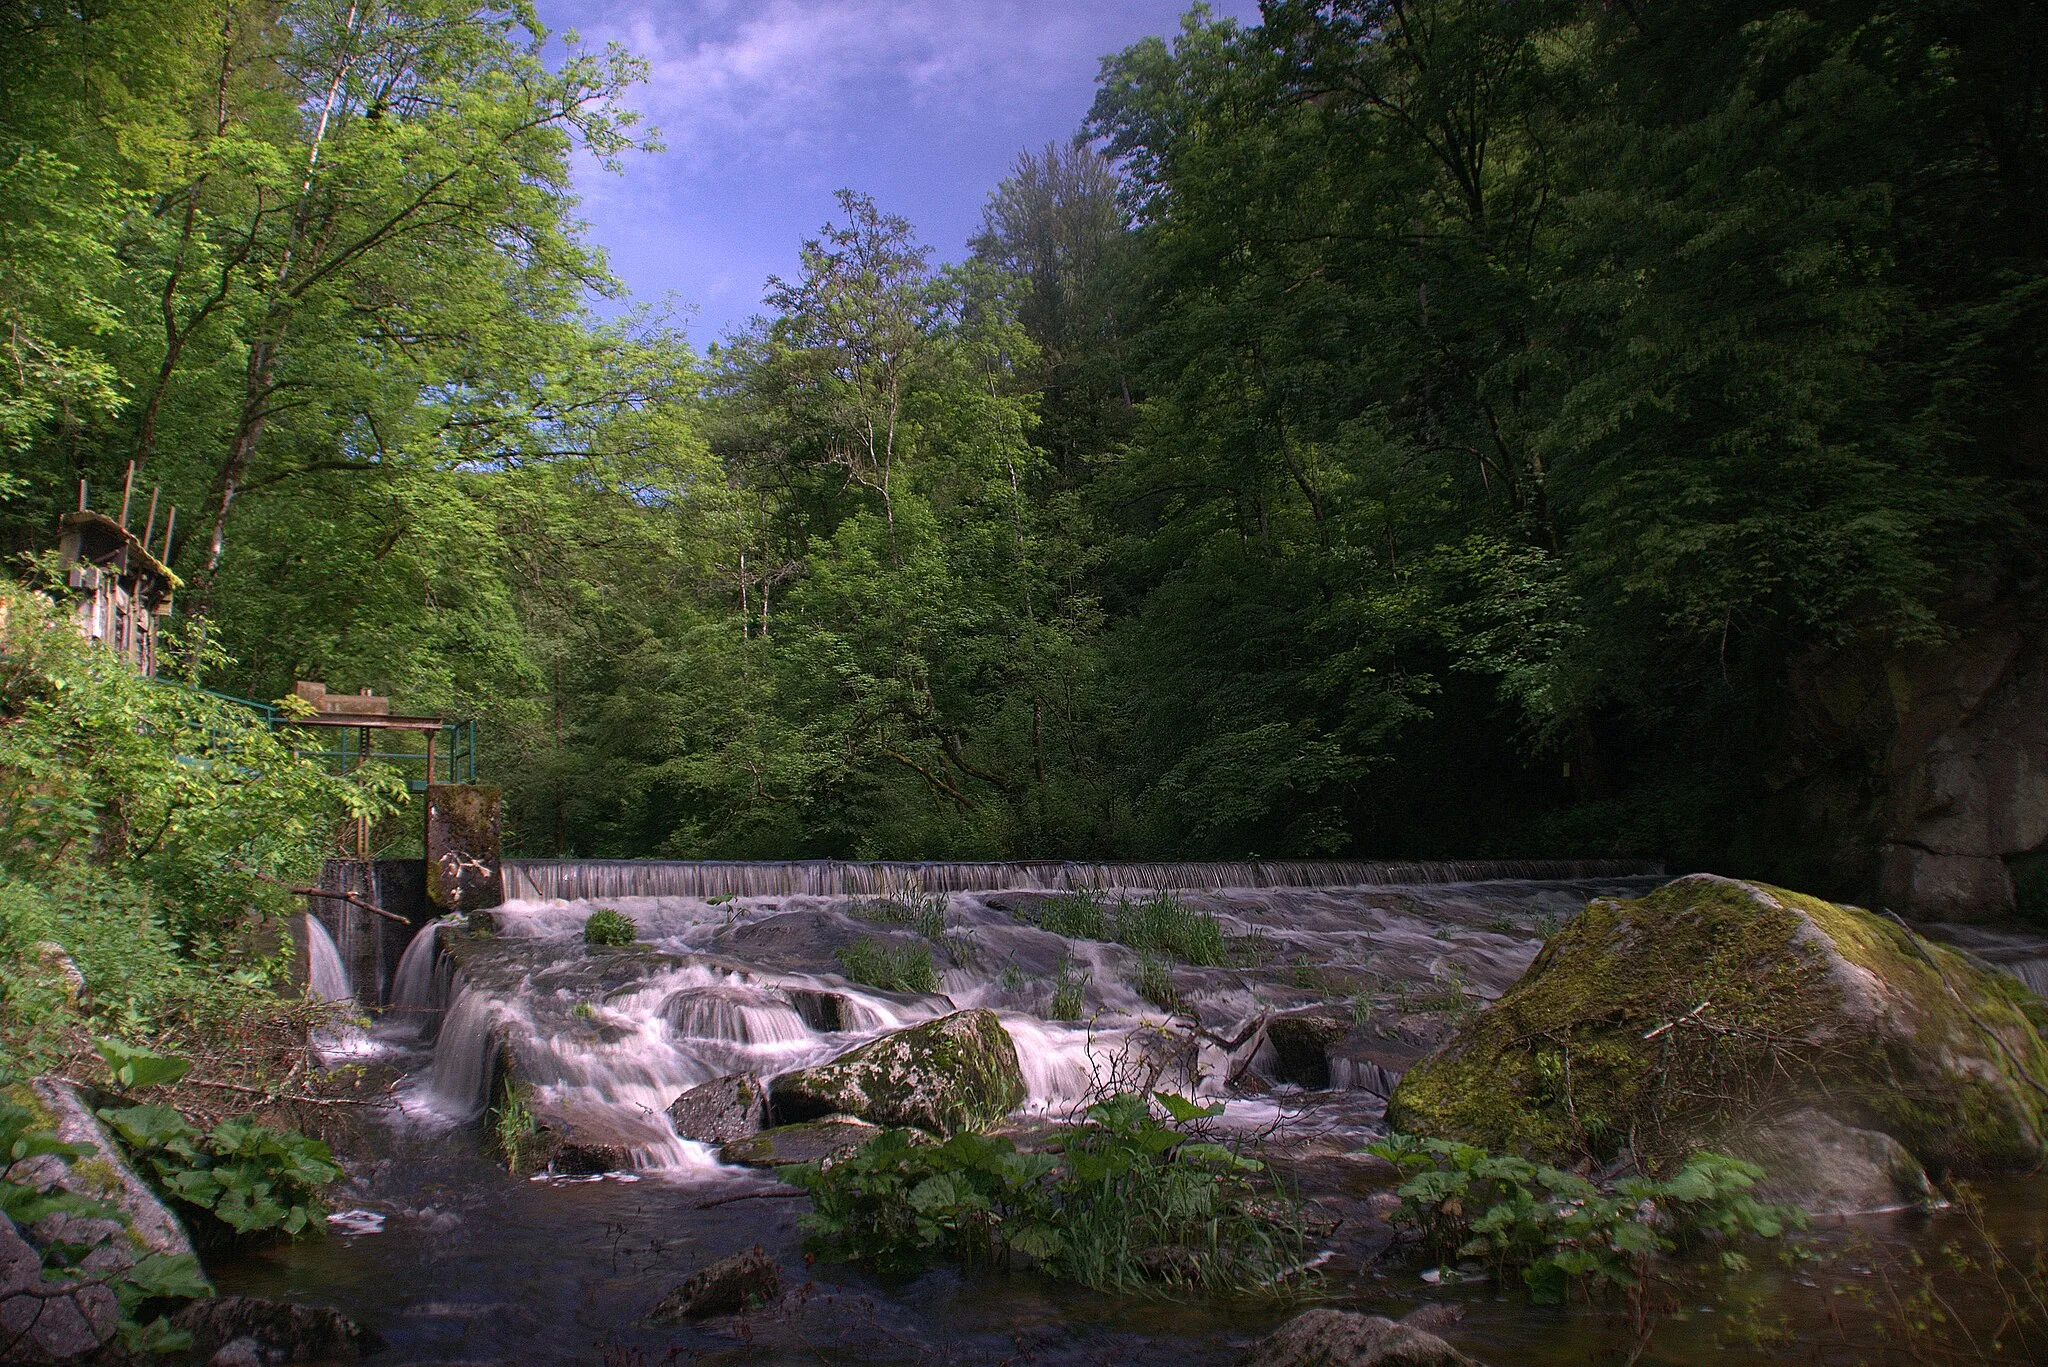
134,1066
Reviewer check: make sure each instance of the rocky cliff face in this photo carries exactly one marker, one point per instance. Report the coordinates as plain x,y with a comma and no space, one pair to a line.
1925,772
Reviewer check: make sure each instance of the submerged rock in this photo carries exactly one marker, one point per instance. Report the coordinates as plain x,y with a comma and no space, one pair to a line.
727,1287
812,1141
725,1108
1814,1161
281,1331
1342,1338
953,1073
1712,1010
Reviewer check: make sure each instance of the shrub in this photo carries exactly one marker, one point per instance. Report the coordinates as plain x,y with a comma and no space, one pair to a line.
608,927
907,968
1132,1199
1561,1232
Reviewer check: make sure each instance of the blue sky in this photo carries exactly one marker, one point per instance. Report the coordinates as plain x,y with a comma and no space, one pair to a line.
766,107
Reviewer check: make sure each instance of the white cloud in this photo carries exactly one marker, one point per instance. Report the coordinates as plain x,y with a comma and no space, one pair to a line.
796,75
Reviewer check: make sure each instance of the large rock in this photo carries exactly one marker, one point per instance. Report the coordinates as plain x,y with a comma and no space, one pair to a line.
810,1142
1711,1007
723,1109
1342,1338
45,1319
957,1072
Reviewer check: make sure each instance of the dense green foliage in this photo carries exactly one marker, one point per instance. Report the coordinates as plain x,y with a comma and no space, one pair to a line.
891,967
149,831
240,1177
1130,1199
1420,428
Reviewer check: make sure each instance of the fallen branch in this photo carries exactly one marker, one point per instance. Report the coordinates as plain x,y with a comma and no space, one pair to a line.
1690,1015
750,1196
304,891
300,1097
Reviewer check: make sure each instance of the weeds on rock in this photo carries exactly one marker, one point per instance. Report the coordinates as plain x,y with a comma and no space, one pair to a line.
1078,915
1155,984
907,968
1162,924
608,927
1133,1198
1069,993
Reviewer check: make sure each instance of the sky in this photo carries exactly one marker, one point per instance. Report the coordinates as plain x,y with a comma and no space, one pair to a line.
766,107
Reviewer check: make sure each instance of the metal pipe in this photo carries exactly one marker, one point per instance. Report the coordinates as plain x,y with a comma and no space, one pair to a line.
127,490
169,523
149,529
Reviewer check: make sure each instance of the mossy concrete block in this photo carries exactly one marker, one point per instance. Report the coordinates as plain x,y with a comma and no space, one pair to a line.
954,1073
463,847
1712,1008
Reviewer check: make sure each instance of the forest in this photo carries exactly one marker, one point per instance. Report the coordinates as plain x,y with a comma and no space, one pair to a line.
1394,428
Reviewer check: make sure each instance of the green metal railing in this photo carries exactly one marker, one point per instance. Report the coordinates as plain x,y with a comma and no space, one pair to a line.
454,749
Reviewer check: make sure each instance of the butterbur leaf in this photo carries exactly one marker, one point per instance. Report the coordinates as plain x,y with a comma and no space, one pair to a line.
1547,1281
133,1066
1037,1241
1183,1110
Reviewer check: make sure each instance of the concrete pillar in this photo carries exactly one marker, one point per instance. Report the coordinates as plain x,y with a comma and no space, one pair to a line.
463,838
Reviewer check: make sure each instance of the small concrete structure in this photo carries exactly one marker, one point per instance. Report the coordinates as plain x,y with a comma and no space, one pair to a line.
463,847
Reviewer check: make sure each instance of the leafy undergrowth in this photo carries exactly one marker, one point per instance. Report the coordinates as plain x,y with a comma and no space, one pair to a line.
1560,1235
1135,1198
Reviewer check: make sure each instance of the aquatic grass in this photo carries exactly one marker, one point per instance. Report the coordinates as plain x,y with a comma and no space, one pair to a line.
1078,915
1164,925
874,963
1155,984
1069,993
923,912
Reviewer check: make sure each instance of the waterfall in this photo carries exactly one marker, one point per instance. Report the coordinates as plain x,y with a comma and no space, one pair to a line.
416,987
585,879
326,974
738,1015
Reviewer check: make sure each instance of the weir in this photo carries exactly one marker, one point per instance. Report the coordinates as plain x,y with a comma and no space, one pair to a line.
573,880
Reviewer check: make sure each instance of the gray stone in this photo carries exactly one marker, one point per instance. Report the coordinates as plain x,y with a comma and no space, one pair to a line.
1341,1338
103,1175
282,1331
572,1142
727,1287
725,1108
1814,1161
241,1352
42,1319
810,1142
953,1073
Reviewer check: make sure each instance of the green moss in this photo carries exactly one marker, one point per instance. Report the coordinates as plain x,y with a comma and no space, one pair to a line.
1658,1025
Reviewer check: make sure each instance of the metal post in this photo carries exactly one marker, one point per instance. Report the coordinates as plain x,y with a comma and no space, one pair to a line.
149,531
126,490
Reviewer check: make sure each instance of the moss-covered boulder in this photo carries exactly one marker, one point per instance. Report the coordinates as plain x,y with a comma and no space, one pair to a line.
954,1073
1711,1009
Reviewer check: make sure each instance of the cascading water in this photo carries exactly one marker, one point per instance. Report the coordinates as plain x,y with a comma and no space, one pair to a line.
326,974
606,1039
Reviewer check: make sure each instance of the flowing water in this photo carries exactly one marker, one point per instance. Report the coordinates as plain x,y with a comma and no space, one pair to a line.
474,1266
326,973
